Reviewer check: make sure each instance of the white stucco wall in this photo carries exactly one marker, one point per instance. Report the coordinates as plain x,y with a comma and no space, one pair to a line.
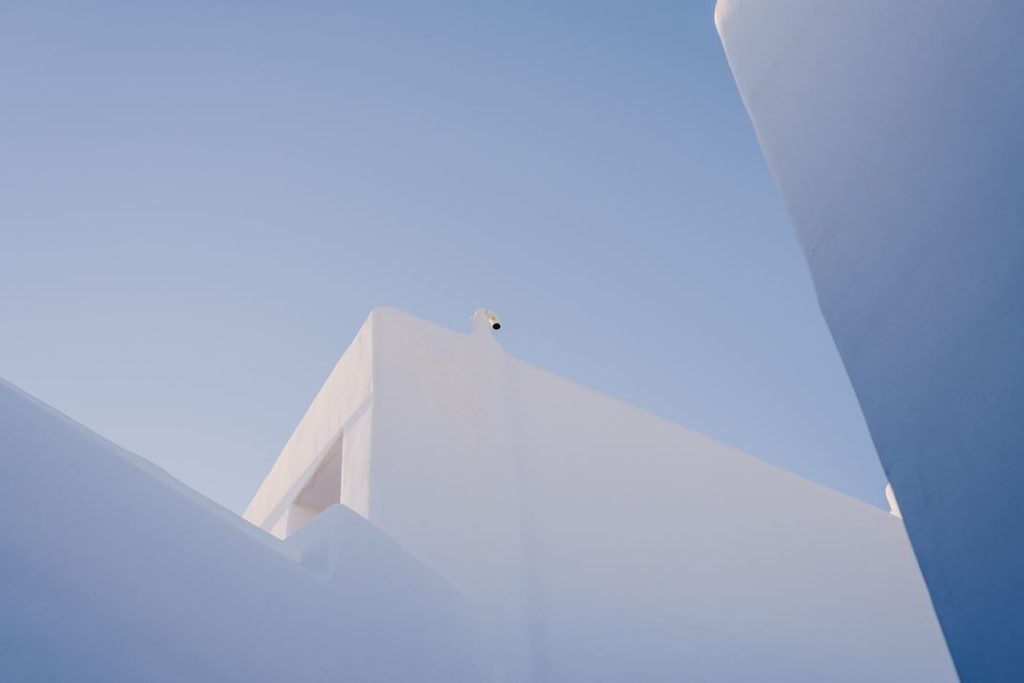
601,543
111,570
893,130
341,410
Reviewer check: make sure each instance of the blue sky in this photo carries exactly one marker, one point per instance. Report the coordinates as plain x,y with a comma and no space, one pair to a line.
200,203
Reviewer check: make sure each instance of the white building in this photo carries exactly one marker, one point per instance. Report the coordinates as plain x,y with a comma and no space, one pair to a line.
594,541
893,130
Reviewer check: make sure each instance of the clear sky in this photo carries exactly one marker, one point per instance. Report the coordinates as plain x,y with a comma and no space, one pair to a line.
201,202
